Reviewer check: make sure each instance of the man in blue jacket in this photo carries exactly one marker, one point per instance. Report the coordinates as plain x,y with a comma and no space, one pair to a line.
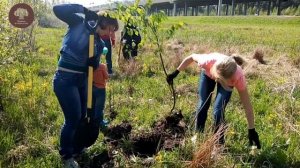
70,79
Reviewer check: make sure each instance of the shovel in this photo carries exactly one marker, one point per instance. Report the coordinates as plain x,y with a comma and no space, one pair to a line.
88,130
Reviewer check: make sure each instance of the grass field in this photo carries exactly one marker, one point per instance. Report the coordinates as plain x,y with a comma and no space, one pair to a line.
31,118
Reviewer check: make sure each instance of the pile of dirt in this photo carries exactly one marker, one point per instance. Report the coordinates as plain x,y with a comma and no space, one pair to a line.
166,134
118,131
101,160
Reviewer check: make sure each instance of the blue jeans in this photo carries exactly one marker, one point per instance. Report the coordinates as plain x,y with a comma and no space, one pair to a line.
108,56
71,92
98,104
206,87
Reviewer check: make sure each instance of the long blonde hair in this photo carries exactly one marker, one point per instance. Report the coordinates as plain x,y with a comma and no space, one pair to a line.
225,69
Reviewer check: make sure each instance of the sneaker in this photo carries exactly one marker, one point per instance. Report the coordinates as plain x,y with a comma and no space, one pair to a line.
70,163
104,126
104,123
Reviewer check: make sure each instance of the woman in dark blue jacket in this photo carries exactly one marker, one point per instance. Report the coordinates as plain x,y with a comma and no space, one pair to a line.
70,79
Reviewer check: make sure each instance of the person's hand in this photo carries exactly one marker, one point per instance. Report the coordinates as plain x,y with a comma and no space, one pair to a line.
113,43
253,137
93,61
171,77
90,15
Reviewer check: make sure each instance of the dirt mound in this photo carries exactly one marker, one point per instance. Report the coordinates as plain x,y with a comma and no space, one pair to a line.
174,119
259,56
101,160
166,134
170,143
118,131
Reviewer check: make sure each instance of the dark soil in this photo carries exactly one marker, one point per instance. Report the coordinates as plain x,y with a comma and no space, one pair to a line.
101,160
170,143
147,144
118,131
167,134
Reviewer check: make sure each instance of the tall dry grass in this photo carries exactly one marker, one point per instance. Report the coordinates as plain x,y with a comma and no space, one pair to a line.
208,151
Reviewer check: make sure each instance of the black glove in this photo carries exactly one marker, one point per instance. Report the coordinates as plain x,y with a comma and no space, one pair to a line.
90,15
171,76
253,137
94,62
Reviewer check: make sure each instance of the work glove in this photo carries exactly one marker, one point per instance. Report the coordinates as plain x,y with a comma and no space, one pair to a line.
253,137
94,62
90,15
171,77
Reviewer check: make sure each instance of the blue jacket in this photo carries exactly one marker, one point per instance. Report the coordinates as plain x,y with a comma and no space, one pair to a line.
74,52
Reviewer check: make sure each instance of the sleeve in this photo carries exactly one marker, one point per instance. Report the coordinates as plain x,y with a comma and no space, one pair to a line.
100,46
67,13
136,35
105,73
127,33
200,59
138,38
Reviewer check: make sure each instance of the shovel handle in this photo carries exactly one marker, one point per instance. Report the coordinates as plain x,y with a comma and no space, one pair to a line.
90,73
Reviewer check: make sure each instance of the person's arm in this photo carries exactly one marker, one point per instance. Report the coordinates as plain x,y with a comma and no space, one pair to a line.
105,73
245,99
252,134
126,35
67,13
186,62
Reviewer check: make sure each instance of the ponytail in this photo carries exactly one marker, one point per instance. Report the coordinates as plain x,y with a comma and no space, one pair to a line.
238,59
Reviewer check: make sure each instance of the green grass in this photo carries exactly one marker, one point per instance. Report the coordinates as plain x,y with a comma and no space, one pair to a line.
280,34
32,116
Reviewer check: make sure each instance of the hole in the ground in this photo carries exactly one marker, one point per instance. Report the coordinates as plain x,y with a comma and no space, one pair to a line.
118,131
167,134
101,160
